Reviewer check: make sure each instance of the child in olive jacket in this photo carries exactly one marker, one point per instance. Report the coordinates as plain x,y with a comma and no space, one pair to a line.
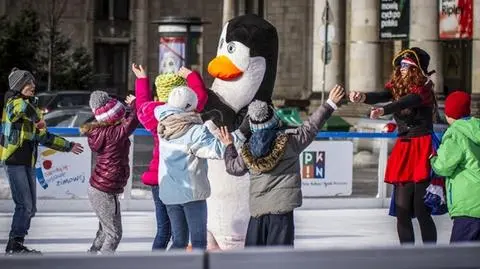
458,159
271,157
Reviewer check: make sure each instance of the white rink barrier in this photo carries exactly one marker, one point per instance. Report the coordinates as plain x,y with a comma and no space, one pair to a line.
324,185
426,257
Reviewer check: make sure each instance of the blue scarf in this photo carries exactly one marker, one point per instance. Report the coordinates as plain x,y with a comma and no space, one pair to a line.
261,142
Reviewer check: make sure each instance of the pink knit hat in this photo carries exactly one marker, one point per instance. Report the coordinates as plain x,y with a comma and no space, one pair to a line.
105,108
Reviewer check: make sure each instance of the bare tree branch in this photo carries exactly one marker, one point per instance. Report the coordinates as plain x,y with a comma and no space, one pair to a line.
59,10
52,13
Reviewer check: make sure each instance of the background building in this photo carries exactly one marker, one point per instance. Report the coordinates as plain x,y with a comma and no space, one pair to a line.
119,32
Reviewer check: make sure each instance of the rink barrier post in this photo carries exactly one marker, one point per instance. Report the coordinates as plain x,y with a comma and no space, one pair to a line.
382,165
127,196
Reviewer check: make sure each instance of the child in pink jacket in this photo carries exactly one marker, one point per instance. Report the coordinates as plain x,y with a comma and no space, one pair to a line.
145,105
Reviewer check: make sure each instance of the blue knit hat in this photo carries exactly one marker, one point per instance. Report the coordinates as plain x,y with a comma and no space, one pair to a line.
262,116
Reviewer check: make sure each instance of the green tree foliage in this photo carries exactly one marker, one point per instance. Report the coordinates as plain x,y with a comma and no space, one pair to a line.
18,45
26,45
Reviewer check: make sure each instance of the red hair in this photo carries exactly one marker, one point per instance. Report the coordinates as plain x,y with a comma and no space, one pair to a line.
414,82
401,86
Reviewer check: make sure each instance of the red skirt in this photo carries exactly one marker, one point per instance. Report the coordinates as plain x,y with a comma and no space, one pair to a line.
409,160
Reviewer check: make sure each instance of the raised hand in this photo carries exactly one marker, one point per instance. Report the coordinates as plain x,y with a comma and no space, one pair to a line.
139,71
225,137
356,97
130,98
336,94
184,72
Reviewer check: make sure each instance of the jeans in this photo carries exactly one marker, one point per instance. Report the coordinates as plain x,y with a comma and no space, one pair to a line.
189,219
163,222
24,193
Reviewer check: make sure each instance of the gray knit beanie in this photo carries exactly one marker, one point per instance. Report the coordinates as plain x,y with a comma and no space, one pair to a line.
105,108
98,99
19,78
261,116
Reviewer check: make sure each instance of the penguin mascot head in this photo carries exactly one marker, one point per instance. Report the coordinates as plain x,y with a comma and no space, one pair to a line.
245,69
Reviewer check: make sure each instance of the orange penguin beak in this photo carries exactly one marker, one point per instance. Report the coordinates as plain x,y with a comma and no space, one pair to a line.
223,68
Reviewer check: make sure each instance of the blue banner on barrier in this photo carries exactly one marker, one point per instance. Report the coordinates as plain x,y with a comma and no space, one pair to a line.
143,132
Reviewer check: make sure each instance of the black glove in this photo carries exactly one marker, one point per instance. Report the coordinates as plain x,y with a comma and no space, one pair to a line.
245,127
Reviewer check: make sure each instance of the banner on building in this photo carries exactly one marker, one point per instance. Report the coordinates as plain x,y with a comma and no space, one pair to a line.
172,54
456,19
394,19
63,175
326,169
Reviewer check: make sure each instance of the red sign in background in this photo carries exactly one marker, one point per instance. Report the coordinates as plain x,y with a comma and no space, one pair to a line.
456,19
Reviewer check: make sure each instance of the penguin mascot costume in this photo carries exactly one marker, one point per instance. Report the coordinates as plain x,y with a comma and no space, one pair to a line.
244,70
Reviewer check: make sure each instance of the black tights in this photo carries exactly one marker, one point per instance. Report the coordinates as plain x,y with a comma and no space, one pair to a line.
409,202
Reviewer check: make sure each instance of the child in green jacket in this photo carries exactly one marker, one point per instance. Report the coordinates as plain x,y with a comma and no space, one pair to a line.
22,130
458,159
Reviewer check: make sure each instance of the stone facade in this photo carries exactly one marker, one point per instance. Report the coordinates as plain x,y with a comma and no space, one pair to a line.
359,59
294,21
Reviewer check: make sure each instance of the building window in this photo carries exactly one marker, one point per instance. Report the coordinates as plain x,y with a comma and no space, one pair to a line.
112,9
121,10
457,65
111,67
101,9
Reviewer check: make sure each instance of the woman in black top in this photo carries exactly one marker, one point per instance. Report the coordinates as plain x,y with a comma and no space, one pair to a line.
413,106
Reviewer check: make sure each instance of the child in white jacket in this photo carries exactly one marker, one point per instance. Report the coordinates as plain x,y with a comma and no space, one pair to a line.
185,145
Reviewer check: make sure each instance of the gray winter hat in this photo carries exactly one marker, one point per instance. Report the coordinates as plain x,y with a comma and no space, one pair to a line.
18,79
98,99
105,108
261,116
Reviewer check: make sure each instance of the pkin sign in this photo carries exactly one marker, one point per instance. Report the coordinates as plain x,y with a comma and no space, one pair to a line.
62,175
394,19
456,19
326,169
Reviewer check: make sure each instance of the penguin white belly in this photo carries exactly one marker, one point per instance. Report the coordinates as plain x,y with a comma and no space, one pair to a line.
228,206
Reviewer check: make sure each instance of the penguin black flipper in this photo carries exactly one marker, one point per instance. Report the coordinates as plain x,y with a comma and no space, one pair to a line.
218,112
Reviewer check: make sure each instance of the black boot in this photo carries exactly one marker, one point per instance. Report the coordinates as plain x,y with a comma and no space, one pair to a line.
15,247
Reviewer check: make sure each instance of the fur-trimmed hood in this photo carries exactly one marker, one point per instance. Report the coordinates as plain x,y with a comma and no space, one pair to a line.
89,127
98,134
265,164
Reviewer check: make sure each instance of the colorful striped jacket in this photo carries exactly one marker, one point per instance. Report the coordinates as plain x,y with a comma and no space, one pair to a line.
19,137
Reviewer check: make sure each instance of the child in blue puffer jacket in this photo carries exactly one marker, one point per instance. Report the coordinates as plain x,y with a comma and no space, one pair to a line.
186,144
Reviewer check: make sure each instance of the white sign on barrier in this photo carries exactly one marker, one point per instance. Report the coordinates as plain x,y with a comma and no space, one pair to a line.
66,174
327,169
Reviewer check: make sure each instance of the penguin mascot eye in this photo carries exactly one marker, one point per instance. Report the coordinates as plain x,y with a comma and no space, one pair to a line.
231,47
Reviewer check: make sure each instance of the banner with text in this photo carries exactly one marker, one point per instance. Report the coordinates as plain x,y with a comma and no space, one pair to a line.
63,175
456,19
394,19
327,169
